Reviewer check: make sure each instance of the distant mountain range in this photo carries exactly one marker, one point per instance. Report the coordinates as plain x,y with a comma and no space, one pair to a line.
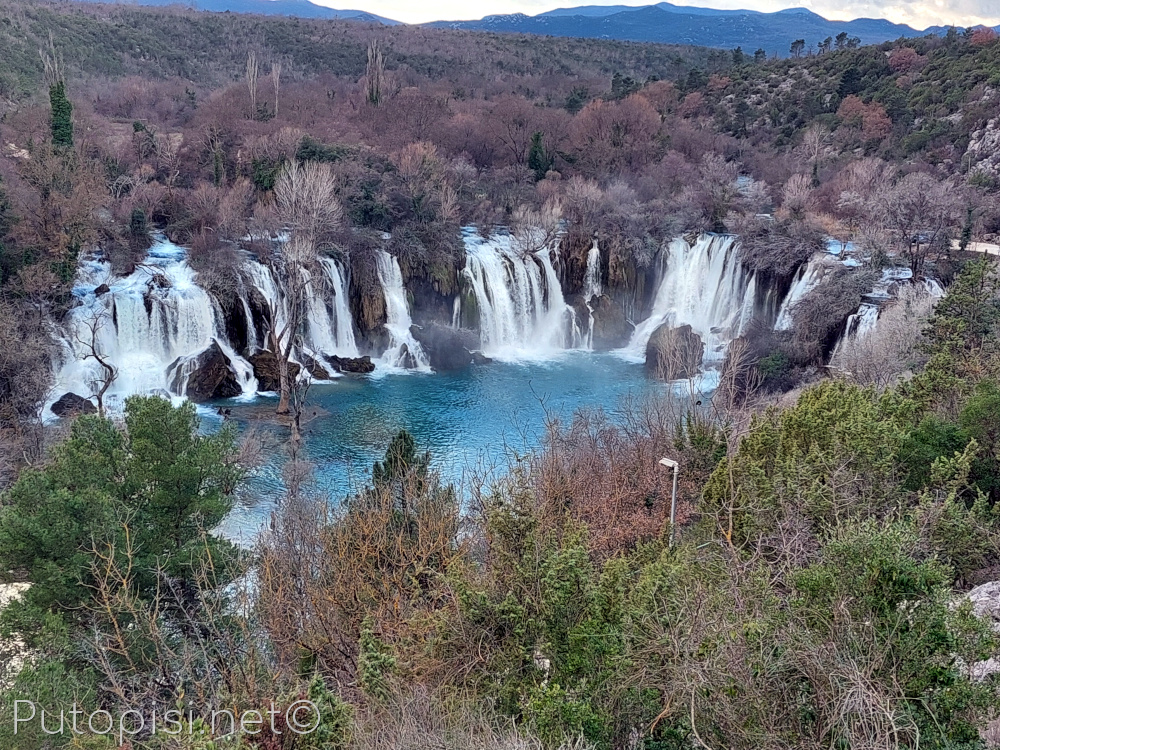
663,22
297,8
706,27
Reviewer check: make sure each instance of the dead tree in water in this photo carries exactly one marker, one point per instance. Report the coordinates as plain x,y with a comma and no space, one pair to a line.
307,207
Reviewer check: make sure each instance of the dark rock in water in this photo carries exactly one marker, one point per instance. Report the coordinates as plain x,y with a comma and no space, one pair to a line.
479,359
350,364
447,348
610,327
406,359
205,375
315,369
102,289
673,353
267,370
71,405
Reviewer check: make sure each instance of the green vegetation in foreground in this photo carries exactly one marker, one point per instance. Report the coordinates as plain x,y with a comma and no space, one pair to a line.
810,600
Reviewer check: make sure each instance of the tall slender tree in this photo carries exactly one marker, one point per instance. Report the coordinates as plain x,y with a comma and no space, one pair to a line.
253,76
276,70
57,96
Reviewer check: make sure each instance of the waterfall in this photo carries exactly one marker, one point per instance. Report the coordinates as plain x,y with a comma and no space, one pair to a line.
807,277
146,321
704,286
593,287
522,308
399,317
343,328
328,321
327,312
860,324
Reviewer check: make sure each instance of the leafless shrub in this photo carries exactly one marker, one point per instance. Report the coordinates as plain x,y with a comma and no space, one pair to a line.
797,196
417,719
818,317
879,357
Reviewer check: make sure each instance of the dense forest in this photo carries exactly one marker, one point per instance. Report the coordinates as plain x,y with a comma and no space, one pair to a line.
827,575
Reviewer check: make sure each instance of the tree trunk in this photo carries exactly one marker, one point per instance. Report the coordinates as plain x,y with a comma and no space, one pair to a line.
285,385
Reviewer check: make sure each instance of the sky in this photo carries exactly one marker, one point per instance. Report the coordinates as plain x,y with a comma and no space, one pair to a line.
918,14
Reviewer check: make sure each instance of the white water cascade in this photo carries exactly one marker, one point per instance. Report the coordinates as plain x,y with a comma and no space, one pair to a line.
704,286
141,325
593,287
521,304
329,326
807,278
399,316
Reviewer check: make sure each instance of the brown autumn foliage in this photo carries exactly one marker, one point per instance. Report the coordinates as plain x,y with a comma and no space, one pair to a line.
870,119
906,60
606,474
377,563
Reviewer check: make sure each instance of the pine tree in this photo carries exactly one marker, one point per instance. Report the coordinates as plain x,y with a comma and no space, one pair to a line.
538,159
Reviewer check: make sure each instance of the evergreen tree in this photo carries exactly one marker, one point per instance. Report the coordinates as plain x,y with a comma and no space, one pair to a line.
57,97
539,161
151,490
61,116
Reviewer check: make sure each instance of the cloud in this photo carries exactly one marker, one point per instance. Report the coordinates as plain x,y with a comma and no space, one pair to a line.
916,13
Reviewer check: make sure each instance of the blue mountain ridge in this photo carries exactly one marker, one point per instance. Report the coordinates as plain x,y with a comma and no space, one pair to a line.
673,24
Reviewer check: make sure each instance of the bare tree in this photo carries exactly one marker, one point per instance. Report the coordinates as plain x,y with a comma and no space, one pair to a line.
815,145
276,70
797,195
879,355
53,64
918,212
306,205
253,76
90,349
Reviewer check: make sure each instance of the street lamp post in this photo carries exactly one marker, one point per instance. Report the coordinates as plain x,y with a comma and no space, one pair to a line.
675,467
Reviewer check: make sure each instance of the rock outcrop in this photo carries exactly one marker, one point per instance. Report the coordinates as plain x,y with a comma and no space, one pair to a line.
673,353
267,370
983,152
351,364
610,328
315,369
206,375
985,600
72,405
369,307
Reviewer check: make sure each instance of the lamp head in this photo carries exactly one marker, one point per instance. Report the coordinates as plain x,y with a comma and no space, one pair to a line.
669,463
